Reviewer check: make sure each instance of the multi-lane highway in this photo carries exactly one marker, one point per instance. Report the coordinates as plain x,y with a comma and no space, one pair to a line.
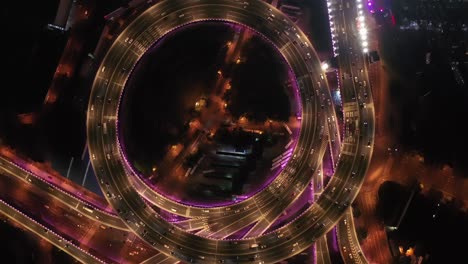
124,190
89,234
297,51
62,195
55,239
348,240
348,25
321,251
176,207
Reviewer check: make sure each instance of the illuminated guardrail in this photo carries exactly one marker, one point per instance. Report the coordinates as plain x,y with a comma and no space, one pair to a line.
58,238
361,22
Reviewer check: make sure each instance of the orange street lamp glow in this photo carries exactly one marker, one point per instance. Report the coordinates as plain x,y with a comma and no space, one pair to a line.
409,252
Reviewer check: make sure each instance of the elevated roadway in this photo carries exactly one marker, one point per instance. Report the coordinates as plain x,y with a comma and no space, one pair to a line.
70,199
110,165
347,17
263,208
348,241
109,244
52,237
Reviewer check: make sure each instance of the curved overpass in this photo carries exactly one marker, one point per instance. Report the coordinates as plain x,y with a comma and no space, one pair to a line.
288,240
72,200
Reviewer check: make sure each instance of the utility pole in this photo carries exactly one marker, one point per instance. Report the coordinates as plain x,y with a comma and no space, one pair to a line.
69,167
86,173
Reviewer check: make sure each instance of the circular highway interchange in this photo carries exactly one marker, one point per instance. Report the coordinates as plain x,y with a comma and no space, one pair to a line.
131,197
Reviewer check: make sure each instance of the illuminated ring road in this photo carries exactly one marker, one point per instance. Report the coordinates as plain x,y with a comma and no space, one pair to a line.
111,168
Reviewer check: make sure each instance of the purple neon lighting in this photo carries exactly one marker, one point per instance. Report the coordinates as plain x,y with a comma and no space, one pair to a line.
294,135
51,231
100,207
334,239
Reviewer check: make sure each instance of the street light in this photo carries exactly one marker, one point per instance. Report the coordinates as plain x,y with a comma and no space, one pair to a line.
325,66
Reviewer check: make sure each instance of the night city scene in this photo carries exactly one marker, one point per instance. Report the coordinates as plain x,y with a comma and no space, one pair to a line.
232,131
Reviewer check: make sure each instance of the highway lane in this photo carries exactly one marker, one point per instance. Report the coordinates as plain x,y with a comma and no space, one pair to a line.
262,220
89,234
46,173
50,236
159,201
348,241
73,201
199,221
334,146
159,228
159,259
322,253
353,71
110,117
109,155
